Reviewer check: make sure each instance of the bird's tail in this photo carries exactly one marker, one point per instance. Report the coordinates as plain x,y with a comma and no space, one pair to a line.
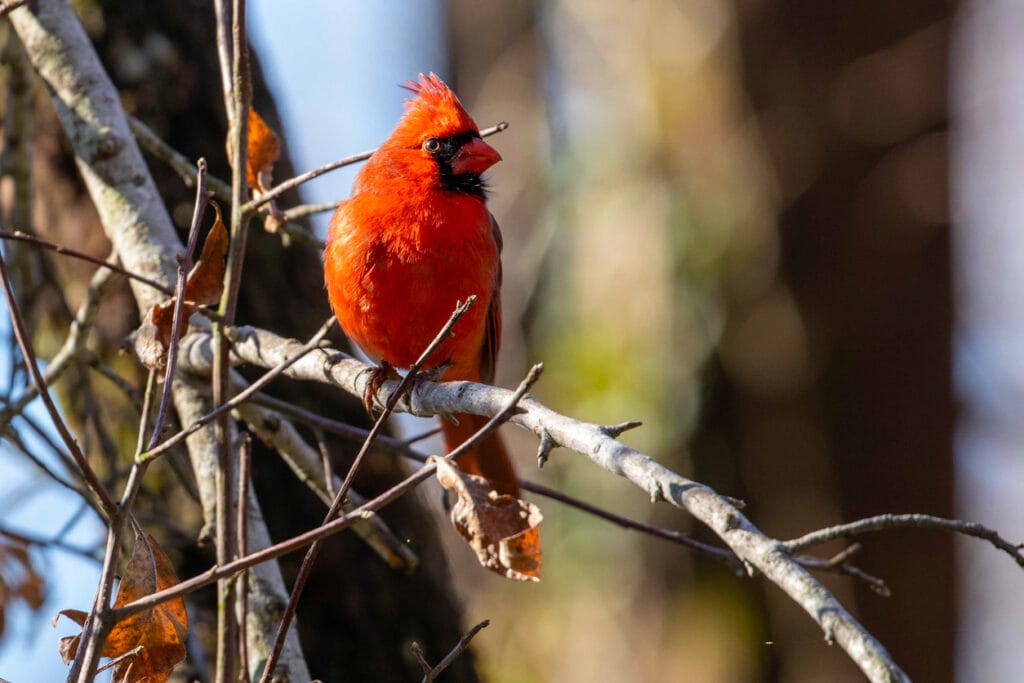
489,459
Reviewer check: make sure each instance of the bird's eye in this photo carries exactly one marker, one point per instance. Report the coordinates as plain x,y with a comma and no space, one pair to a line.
432,145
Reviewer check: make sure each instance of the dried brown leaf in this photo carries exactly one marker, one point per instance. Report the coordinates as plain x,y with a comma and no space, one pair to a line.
206,281
148,345
203,287
159,632
263,151
68,645
502,530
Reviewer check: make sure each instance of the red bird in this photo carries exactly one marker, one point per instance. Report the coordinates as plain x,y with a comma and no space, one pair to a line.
414,239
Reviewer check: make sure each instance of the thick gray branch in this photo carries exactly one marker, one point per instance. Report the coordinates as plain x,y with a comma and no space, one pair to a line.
759,552
133,216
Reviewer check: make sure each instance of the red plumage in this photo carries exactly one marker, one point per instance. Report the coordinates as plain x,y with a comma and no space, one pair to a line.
415,238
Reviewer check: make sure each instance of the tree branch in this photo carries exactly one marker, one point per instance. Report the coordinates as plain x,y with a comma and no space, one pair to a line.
913,521
757,551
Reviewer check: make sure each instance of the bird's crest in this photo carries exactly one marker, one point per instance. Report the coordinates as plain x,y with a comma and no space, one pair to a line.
434,111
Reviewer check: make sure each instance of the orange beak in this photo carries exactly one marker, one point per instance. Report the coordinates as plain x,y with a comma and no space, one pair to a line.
476,156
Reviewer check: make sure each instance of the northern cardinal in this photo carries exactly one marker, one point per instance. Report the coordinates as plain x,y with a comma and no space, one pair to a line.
414,239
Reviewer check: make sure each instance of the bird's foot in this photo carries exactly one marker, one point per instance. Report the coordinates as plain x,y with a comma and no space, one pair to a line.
386,371
378,376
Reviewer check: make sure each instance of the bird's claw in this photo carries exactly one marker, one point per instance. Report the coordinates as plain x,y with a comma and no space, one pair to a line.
378,376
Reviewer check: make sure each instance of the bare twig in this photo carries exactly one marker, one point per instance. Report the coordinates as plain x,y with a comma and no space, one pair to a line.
106,504
237,100
177,161
67,251
915,521
840,565
55,542
291,183
244,460
432,673
178,321
723,554
15,441
120,658
303,210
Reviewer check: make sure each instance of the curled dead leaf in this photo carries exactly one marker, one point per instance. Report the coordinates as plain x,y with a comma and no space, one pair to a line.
263,151
203,287
157,635
502,530
205,282
68,645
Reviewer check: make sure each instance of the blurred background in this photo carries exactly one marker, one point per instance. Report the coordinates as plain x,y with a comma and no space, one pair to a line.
784,234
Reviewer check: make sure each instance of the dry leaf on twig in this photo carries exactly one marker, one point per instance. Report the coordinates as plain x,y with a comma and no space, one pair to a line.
263,150
158,633
203,287
502,530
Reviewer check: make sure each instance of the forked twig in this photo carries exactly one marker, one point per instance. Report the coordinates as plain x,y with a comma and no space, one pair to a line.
431,673
913,520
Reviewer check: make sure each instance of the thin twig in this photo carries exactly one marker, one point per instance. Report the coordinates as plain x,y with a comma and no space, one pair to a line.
840,565
303,210
281,188
55,543
459,648
236,83
177,161
916,521
15,441
244,460
67,251
723,554
178,322
339,498
120,658
106,504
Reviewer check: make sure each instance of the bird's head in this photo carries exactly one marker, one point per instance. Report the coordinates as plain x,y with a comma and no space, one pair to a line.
444,136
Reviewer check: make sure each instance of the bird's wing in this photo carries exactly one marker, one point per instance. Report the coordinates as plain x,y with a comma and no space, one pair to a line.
492,333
